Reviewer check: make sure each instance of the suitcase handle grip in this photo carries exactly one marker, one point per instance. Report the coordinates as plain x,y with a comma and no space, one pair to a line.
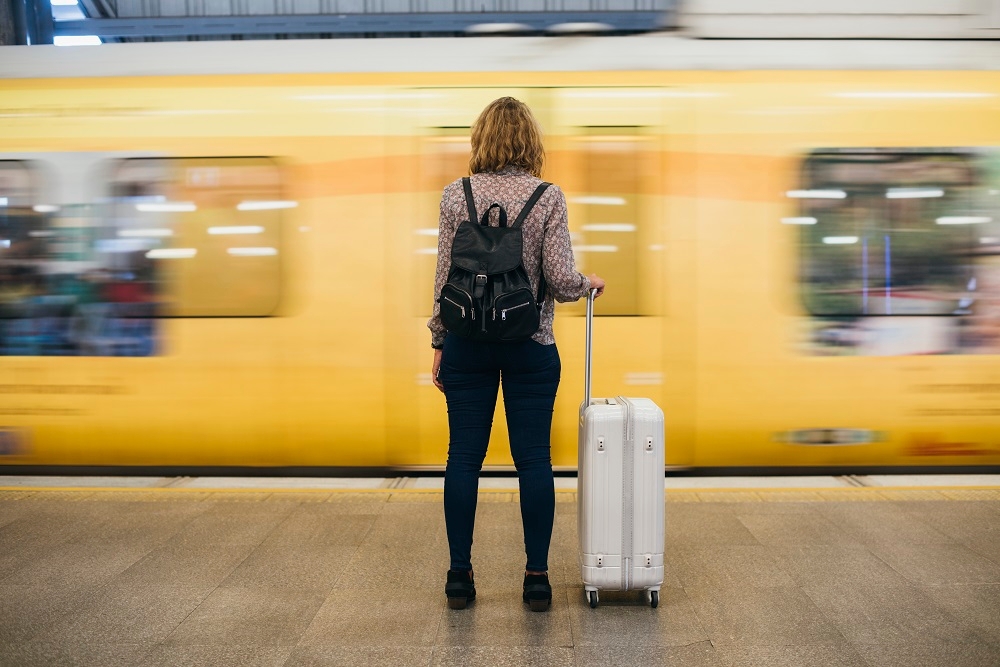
591,295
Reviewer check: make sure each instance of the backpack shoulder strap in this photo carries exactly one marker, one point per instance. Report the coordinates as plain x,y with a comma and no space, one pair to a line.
535,196
469,200
530,204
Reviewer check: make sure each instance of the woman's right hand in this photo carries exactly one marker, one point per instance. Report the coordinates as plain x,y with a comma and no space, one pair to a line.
597,283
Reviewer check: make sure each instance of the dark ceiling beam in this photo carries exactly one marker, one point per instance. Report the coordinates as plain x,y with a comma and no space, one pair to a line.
11,28
97,8
346,24
26,22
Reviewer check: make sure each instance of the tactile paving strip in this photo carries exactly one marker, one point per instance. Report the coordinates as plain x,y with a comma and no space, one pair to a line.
775,495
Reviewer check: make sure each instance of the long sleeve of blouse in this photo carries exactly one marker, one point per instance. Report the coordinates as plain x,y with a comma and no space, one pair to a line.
546,241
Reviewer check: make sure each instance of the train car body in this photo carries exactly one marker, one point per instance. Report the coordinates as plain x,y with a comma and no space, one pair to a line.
218,255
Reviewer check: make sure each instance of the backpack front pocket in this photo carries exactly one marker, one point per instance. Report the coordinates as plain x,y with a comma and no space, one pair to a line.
457,312
515,316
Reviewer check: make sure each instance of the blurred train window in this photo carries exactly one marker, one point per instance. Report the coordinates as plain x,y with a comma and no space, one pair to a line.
61,292
888,231
606,219
35,304
208,228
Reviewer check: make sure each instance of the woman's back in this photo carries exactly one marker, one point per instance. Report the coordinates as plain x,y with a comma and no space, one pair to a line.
545,233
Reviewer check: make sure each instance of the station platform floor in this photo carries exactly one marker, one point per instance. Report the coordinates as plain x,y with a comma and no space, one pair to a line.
874,571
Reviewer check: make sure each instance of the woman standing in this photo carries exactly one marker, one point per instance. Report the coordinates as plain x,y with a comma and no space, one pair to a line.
506,163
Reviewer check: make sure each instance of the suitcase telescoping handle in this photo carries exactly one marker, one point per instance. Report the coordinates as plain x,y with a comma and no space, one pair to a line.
591,295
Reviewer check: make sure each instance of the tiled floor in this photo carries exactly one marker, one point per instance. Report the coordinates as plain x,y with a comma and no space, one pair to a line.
150,576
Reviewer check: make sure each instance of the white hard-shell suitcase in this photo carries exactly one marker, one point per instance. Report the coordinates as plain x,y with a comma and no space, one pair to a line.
621,489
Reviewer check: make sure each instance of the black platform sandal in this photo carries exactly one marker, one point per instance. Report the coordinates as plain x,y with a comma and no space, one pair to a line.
537,592
460,589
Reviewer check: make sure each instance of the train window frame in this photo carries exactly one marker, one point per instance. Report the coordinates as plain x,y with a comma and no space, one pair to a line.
279,272
805,220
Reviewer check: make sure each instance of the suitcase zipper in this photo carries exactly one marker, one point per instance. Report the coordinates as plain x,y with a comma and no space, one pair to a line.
628,498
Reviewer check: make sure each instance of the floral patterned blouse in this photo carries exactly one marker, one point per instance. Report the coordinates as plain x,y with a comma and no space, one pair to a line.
545,236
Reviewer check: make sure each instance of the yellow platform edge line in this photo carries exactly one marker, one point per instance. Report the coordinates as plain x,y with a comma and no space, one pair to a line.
183,490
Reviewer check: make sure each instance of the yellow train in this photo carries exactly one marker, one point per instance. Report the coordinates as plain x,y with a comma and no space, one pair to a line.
221,254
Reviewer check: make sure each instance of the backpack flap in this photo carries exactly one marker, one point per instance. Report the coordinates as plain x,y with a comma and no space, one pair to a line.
486,250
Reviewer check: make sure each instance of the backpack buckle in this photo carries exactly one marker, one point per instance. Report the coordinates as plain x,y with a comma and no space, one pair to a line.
480,285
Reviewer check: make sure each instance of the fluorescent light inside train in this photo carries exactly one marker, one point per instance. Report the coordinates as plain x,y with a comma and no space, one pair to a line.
426,251
609,227
840,240
595,248
322,97
252,252
4,243
44,208
77,40
264,205
988,240
912,95
816,194
600,201
913,193
798,221
236,229
3,201
122,245
159,232
167,207
638,94
63,3
172,253
964,220
427,231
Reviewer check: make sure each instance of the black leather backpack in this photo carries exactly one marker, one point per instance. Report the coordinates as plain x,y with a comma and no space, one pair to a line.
488,296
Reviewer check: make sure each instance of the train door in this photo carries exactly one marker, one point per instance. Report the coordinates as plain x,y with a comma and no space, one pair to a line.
899,286
135,294
848,305
417,419
611,151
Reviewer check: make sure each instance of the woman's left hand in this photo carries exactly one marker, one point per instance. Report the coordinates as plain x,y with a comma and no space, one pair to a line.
435,369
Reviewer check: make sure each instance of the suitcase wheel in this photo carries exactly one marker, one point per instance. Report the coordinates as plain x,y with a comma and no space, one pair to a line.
592,596
654,599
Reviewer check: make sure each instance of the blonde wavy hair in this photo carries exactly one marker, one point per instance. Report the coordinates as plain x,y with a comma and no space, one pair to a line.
506,134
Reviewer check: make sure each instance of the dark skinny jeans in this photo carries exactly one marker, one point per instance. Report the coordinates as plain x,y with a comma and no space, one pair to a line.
471,372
